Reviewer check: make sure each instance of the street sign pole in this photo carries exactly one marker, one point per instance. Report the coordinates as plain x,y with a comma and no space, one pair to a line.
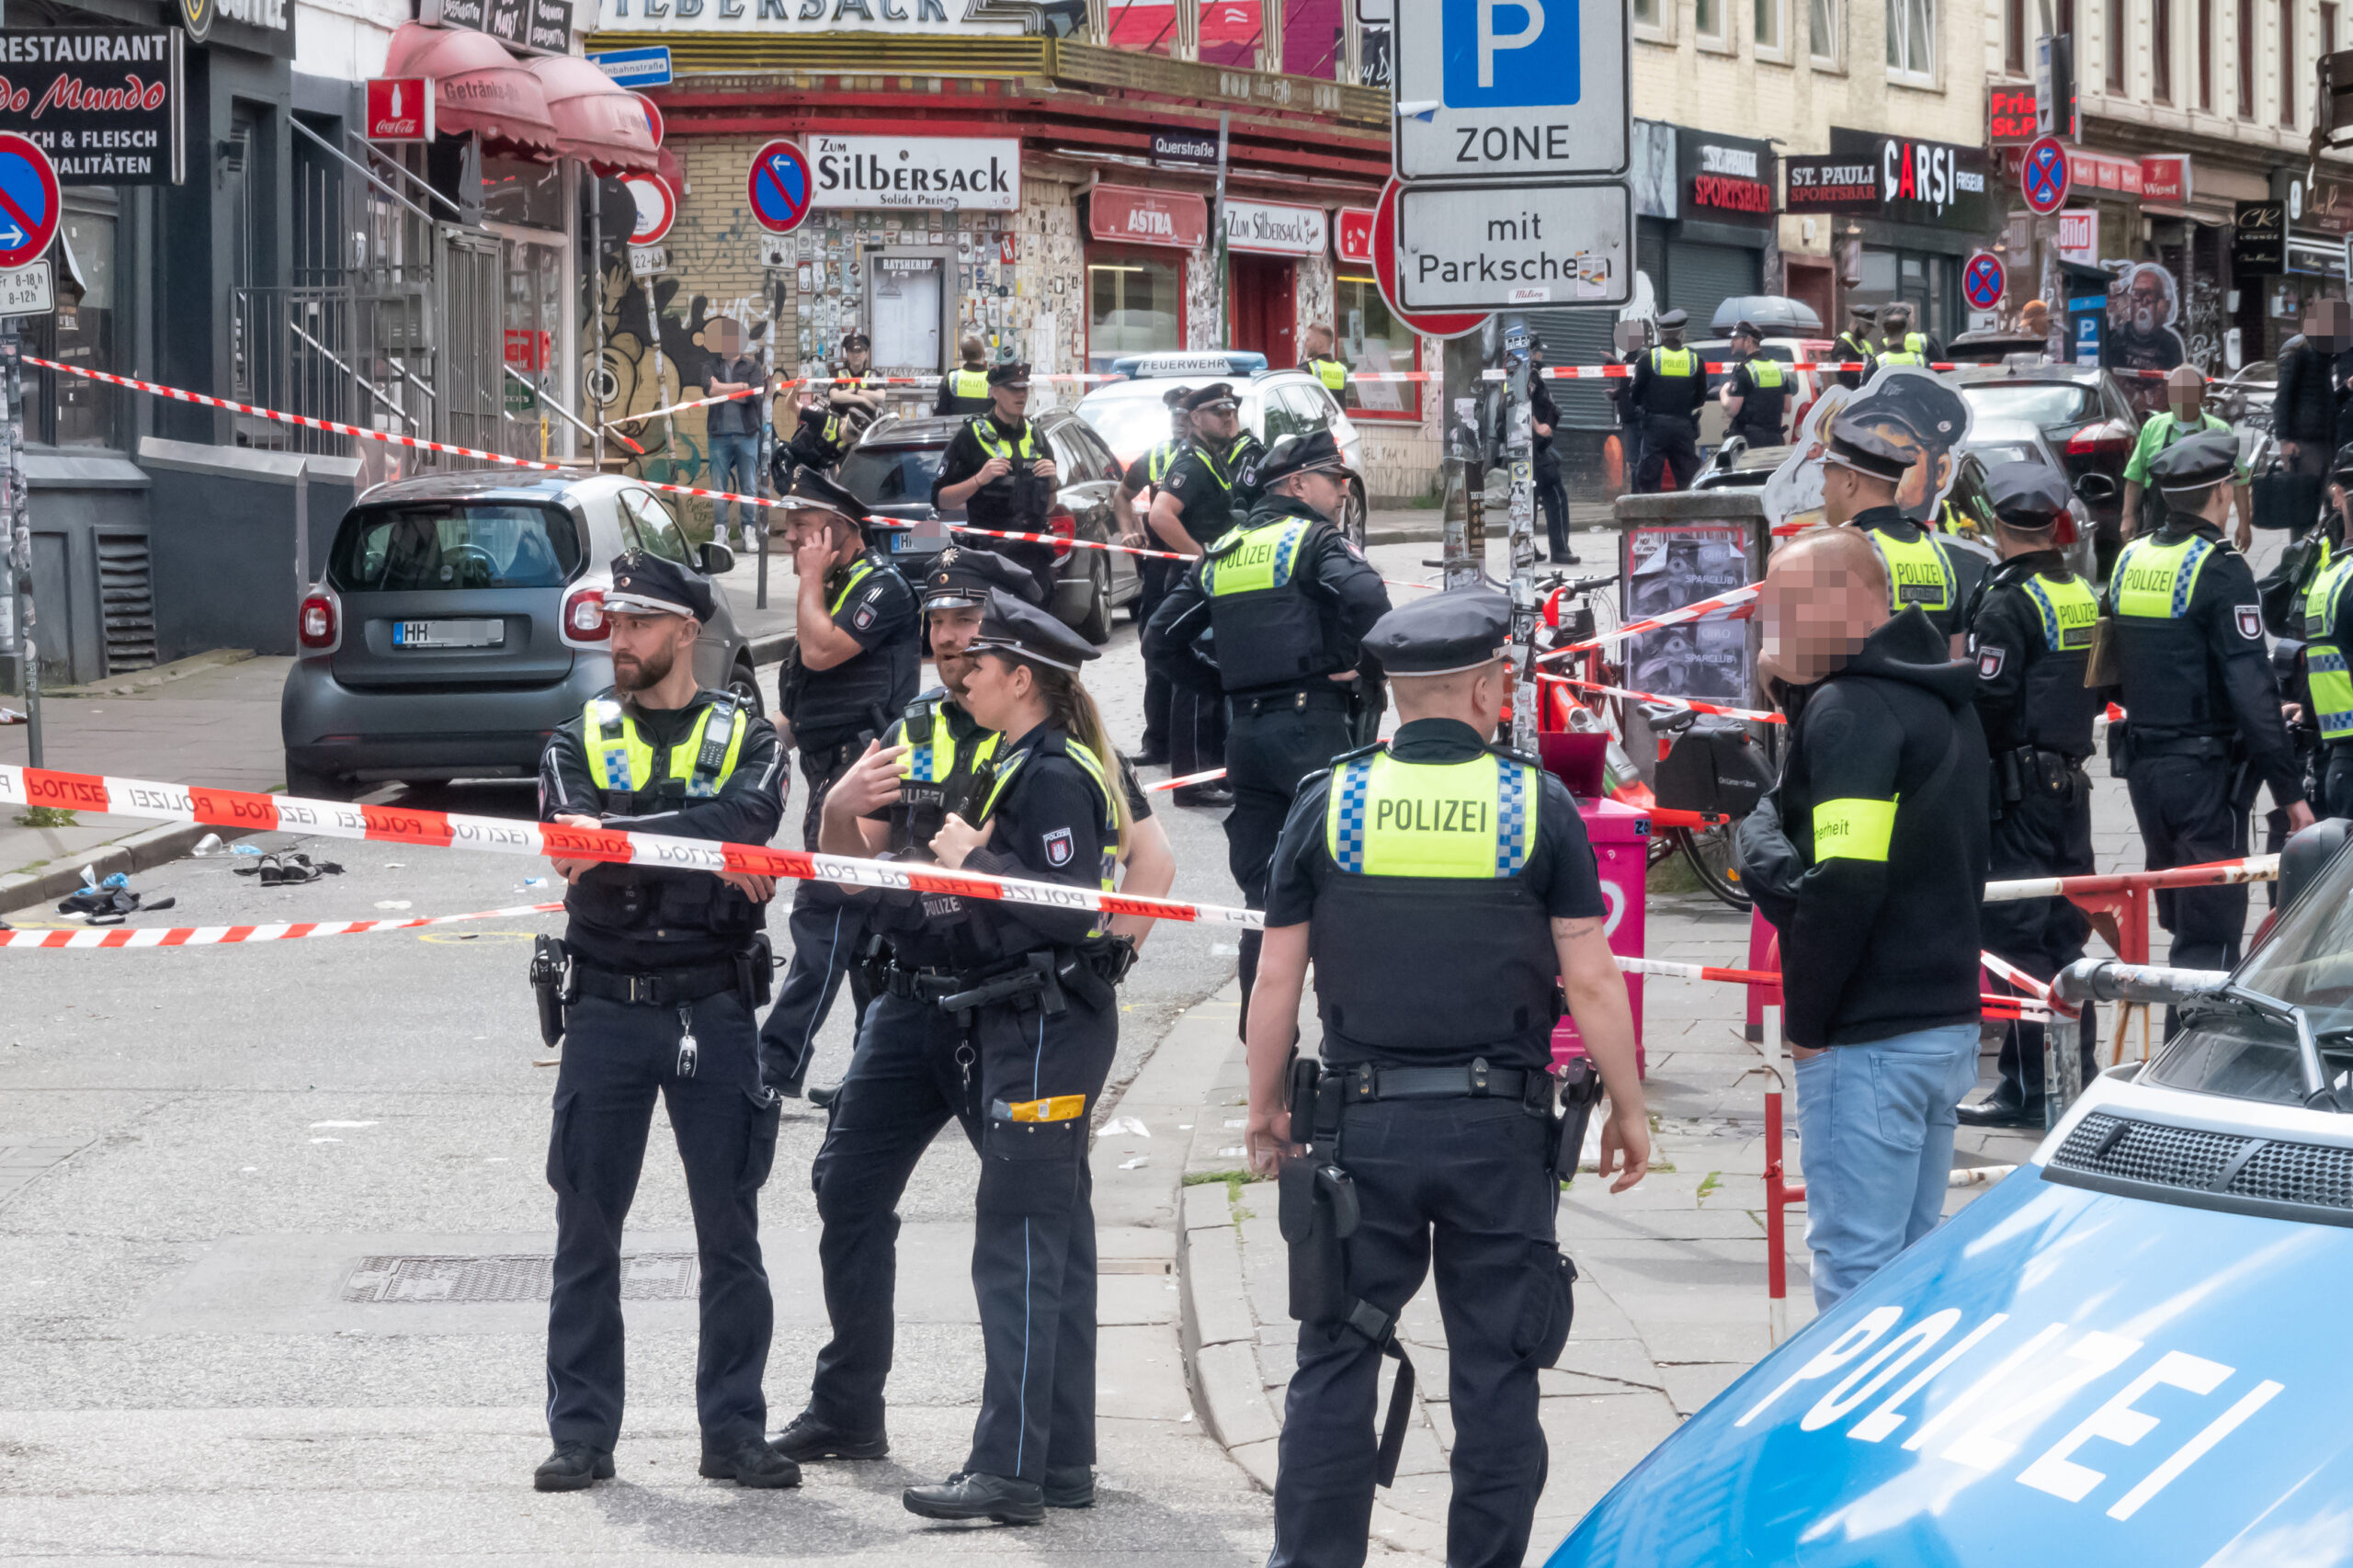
20,540
1217,216
1520,458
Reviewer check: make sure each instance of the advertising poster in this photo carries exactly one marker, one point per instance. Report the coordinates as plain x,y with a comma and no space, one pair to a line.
1671,565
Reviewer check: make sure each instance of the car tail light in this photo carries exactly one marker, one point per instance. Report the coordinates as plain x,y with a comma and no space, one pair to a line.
2110,437
318,623
584,617
1065,527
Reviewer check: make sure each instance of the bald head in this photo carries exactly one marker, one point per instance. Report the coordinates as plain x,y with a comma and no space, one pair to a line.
1825,592
2186,392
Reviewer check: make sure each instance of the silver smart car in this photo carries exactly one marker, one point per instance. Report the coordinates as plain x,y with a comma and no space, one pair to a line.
461,618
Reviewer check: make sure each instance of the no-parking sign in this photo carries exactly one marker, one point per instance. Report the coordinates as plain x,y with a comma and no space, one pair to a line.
781,189
29,202
2043,176
1983,280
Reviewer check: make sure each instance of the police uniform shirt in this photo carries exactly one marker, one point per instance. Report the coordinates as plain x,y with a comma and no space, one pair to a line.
2328,633
872,603
1558,872
1329,569
2031,640
1203,480
1905,547
1662,392
684,917
963,391
1332,371
1761,407
966,456
1542,410
1053,825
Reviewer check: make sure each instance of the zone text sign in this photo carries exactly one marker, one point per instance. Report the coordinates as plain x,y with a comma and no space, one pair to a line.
1496,248
1511,89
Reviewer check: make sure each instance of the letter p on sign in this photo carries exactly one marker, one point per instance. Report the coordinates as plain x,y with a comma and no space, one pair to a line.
1501,54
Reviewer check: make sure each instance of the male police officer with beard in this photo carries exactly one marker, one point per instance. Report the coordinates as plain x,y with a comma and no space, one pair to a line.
1290,599
2204,728
2031,631
1001,472
911,1071
1443,887
1872,450
853,664
655,985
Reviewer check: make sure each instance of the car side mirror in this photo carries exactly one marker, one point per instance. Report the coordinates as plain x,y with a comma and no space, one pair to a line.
715,559
2095,488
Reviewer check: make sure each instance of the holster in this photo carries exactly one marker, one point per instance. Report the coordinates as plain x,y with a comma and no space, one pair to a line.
1035,982
755,972
1580,1092
553,985
2010,770
1317,1211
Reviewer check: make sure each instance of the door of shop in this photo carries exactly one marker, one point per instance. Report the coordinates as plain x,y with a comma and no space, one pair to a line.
1265,314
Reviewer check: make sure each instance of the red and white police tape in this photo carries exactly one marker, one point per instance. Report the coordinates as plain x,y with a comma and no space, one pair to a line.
1994,1006
1693,611
222,936
1690,704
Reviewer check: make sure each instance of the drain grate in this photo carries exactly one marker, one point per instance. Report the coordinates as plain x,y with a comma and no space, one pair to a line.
424,1281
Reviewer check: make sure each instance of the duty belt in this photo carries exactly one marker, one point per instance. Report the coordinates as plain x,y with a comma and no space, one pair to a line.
664,987
915,984
1331,695
1366,1082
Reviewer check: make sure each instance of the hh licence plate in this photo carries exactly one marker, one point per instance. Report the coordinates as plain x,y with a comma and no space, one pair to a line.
448,633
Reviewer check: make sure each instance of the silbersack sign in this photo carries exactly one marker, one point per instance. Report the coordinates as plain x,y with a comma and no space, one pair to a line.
941,173
104,103
965,18
1276,228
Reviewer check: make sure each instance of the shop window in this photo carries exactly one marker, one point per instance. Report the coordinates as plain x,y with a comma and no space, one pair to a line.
2206,55
1135,304
2246,59
2014,37
1768,23
1822,35
67,410
2120,13
2161,51
1372,339
518,191
1912,41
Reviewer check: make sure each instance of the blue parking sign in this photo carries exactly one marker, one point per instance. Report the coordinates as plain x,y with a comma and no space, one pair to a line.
1511,53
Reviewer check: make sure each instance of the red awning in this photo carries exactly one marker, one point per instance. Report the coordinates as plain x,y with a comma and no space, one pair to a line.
603,123
477,86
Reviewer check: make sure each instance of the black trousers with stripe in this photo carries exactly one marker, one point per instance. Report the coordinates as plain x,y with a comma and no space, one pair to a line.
1033,1242
827,927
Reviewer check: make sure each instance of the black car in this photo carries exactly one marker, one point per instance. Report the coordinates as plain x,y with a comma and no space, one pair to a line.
2082,411
892,470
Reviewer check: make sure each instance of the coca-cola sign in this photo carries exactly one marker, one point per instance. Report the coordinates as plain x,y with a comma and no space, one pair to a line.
1128,215
104,103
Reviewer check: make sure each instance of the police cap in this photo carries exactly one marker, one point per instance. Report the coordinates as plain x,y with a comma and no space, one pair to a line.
1747,329
647,585
2199,462
1175,397
1673,319
2028,496
1443,633
1316,452
1922,403
856,341
1013,374
813,491
1021,631
1855,445
2343,467
1863,312
961,578
1217,394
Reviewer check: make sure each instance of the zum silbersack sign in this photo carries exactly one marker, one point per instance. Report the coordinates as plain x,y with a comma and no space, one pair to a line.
105,102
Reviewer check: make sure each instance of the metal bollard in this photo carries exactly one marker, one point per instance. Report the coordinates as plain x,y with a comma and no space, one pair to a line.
2063,1066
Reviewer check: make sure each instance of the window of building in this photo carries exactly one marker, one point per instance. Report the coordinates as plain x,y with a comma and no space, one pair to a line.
2246,60
1372,339
1135,304
1821,33
67,410
2161,51
1912,40
2287,62
1770,17
2118,21
2014,37
1711,21
2206,55
1653,19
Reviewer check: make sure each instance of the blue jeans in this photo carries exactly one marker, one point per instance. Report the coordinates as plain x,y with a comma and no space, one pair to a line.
1876,1124
734,465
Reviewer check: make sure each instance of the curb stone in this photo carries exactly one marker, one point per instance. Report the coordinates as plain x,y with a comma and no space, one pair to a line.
140,852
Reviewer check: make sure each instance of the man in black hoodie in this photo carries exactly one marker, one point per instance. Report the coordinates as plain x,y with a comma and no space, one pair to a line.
2304,409
1870,859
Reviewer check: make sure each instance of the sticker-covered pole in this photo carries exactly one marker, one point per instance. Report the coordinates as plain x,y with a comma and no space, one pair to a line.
1519,461
19,531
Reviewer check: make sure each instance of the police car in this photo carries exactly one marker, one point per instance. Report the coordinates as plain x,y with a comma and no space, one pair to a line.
1131,417
2132,1351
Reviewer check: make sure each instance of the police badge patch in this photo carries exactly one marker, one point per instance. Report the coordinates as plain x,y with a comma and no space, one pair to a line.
2250,621
1989,663
1059,848
864,617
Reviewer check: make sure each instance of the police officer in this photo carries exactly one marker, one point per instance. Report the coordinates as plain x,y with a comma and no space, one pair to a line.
1543,421
1757,393
853,663
1000,472
1863,465
913,1071
2030,629
1038,1017
965,390
1290,599
1194,509
2204,725
1855,343
853,371
1670,387
1899,345
2327,632
1404,871
655,985
1325,365
1155,576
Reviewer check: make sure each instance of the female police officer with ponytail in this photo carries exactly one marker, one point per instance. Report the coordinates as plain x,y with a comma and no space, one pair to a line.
1040,1022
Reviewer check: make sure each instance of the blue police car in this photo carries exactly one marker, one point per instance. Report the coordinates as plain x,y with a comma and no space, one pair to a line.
2132,1351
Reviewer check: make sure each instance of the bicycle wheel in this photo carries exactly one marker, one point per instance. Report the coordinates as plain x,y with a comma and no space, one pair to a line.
1710,850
